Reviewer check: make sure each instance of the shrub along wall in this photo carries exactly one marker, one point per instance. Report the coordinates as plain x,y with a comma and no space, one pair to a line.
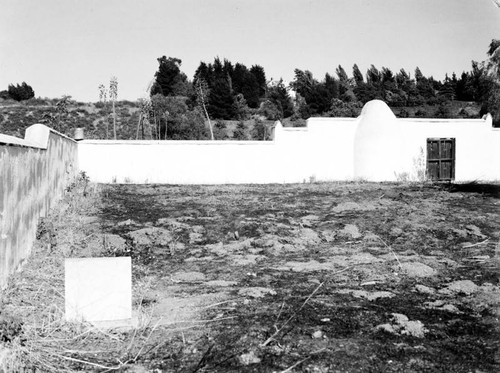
34,173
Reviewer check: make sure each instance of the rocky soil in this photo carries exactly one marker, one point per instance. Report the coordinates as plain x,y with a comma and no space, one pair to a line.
311,277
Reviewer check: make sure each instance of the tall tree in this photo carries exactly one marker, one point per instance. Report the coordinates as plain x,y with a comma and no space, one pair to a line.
303,83
418,74
373,76
345,85
260,75
357,75
332,85
170,81
278,94
404,81
245,83
343,78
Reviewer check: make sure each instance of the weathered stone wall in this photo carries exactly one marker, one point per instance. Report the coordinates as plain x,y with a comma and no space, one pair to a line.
34,173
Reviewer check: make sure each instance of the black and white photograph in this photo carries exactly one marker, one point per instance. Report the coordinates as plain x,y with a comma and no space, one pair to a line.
204,186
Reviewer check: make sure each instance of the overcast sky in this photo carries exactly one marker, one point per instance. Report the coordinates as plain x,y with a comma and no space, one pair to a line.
71,46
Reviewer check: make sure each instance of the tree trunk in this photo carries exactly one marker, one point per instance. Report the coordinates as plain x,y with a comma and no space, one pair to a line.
138,126
166,126
202,96
114,120
209,123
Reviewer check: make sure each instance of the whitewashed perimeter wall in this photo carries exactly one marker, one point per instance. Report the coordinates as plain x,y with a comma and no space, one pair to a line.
294,156
376,146
389,149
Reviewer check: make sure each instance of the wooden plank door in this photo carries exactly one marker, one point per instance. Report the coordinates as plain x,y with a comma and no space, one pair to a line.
441,159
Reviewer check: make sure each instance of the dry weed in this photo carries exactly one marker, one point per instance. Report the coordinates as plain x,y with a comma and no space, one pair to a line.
36,297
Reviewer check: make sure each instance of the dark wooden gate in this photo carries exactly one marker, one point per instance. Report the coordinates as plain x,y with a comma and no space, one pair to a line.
441,159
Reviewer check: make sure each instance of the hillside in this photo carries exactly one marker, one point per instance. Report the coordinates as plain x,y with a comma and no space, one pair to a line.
97,120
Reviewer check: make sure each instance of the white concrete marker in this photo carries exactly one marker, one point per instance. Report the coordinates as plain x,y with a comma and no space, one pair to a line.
98,290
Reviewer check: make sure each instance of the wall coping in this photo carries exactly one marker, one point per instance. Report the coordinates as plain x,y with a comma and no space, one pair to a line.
296,129
16,141
36,136
329,119
443,120
178,142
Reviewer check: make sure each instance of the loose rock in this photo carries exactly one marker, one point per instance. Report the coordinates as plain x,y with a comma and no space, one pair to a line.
256,292
466,287
350,231
151,236
424,289
188,277
249,358
114,243
416,269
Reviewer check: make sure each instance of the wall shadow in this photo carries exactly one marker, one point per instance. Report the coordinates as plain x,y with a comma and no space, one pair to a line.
492,190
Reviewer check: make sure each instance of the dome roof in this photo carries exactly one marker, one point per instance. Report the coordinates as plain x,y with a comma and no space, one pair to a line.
377,143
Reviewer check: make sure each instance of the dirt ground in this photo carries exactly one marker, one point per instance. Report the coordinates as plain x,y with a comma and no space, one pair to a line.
327,277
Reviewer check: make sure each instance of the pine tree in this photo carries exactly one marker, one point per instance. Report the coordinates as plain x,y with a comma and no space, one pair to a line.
169,78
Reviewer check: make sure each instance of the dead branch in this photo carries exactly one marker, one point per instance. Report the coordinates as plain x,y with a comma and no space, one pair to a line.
271,338
476,244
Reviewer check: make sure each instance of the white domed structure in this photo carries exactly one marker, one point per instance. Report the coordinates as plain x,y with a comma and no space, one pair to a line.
377,143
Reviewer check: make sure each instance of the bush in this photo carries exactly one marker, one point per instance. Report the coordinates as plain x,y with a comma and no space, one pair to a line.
443,111
420,113
270,110
36,102
340,108
21,92
240,133
220,130
403,113
260,131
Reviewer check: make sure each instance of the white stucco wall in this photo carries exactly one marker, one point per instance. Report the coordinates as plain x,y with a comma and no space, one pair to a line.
476,145
376,146
331,146
387,148
322,151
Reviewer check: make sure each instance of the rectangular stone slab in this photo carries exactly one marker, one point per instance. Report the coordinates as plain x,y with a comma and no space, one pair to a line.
98,289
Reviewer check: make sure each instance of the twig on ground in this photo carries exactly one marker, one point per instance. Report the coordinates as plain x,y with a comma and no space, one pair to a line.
290,368
271,338
392,252
119,366
147,339
218,304
203,359
281,309
476,244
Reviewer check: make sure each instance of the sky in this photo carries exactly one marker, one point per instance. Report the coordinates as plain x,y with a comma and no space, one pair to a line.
69,47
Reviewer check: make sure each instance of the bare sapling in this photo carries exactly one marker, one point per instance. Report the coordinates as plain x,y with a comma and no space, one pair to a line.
202,93
103,97
113,95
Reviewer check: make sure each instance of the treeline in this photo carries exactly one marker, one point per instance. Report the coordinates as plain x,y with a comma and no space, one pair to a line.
317,98
228,91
